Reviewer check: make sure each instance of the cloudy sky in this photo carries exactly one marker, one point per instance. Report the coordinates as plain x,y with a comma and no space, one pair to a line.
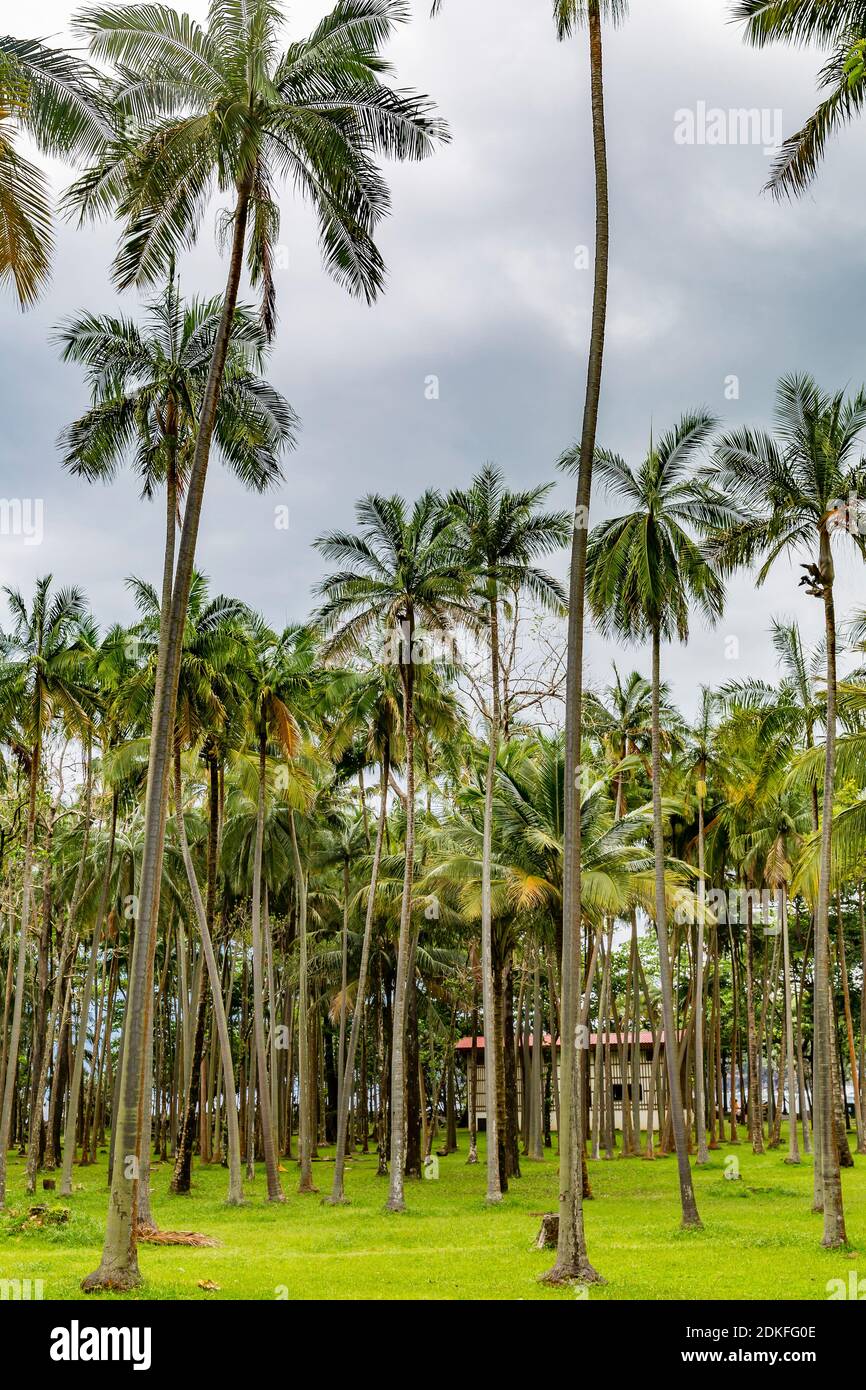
709,280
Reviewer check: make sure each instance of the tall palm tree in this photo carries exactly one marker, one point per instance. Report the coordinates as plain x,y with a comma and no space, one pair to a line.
49,96
838,25
229,109
403,575
40,679
572,1261
505,533
645,571
794,489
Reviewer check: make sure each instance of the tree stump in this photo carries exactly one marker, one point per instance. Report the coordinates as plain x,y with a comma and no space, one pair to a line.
548,1236
48,1184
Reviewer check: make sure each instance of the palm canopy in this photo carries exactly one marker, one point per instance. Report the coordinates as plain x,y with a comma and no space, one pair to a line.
569,14
506,532
796,485
50,96
838,25
147,381
645,567
400,567
227,107
42,669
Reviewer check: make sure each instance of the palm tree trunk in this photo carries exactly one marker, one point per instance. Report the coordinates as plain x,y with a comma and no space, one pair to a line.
700,1105
572,1261
687,1195
338,1189
834,1216
119,1265
396,1200
275,1192
26,894
492,1058
793,1146
306,1075
235,1193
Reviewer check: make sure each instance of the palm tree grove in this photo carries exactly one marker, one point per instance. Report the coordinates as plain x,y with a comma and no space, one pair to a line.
433,797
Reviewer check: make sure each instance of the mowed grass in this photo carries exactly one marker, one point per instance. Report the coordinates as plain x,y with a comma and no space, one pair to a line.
759,1239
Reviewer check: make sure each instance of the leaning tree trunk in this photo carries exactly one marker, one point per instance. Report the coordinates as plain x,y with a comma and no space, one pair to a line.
119,1265
687,1194
572,1260
834,1216
338,1189
396,1201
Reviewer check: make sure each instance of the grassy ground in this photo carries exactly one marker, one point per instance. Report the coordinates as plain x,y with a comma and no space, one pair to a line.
759,1240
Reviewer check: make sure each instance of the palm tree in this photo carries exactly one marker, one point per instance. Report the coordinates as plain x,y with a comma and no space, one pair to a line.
49,96
403,576
504,533
794,489
40,679
226,108
147,383
839,25
572,1261
645,571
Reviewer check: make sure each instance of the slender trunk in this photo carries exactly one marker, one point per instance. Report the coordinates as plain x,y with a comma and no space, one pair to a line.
306,1076
235,1193
834,1216
338,1189
700,1093
492,1059
275,1192
396,1201
119,1265
687,1195
572,1261
15,1034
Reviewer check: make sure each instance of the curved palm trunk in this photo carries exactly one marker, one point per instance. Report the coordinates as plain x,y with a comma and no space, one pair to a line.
396,1200
687,1194
119,1265
235,1193
275,1192
15,1034
306,1075
572,1261
338,1190
834,1216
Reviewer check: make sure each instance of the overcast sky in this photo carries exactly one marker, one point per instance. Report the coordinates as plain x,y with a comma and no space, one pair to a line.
709,280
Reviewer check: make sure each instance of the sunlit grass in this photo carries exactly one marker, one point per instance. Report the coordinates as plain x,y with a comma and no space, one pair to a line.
760,1238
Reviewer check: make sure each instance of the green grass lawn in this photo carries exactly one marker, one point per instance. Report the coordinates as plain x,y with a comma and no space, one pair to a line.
759,1239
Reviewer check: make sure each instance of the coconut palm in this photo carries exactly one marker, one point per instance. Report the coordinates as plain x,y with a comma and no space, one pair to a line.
504,533
404,578
840,27
795,490
646,570
41,678
229,109
49,96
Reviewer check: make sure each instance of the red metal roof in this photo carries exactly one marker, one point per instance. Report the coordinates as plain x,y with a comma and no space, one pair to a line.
646,1040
